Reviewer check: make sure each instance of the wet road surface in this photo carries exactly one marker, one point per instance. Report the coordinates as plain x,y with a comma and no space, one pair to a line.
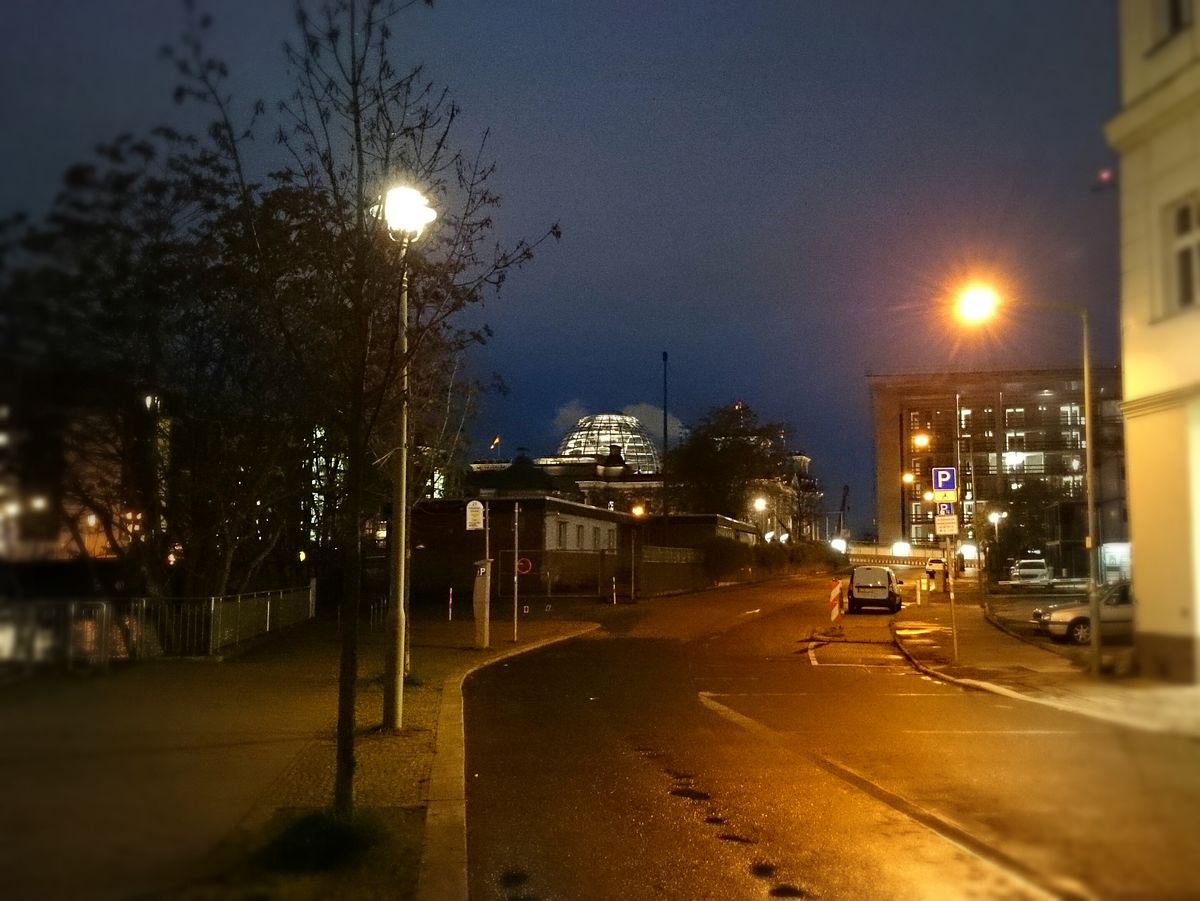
710,747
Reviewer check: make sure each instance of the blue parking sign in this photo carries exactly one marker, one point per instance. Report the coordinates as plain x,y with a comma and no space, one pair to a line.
945,478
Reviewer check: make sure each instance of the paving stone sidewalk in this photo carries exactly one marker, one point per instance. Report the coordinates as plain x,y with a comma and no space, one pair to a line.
993,654
154,782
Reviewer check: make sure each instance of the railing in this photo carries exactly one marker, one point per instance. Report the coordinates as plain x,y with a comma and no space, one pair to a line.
93,633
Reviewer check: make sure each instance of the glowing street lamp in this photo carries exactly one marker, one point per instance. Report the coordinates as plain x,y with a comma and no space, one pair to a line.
407,213
920,441
978,303
994,518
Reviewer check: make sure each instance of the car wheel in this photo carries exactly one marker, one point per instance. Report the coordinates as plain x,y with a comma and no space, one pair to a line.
853,608
1080,632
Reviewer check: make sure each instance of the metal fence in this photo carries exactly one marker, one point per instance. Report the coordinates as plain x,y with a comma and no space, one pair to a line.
93,633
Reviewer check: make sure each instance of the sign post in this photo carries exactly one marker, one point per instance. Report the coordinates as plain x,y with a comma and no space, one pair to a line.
945,494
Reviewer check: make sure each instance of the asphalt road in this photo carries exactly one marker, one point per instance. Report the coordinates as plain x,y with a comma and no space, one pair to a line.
704,747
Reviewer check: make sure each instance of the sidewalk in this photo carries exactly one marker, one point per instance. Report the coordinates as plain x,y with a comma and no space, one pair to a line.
162,780
992,655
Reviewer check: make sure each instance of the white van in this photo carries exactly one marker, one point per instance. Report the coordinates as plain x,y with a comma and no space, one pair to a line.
873,586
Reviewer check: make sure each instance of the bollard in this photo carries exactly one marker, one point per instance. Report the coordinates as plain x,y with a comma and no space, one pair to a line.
450,606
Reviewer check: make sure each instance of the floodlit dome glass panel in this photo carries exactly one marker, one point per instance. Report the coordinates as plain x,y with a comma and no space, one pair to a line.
594,435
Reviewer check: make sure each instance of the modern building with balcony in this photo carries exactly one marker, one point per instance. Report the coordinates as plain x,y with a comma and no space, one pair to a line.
1016,440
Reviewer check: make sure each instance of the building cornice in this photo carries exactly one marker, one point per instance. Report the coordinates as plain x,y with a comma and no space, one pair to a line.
1147,114
1157,403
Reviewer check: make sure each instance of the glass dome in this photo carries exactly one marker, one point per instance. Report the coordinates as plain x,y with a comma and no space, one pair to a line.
594,435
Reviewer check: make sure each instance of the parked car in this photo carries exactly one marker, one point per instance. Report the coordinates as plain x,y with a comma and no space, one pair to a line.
1033,572
1072,620
873,586
934,565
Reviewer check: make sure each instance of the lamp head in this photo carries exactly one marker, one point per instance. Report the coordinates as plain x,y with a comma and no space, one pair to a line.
977,303
406,210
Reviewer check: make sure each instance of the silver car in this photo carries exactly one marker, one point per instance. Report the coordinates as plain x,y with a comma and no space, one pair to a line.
1072,621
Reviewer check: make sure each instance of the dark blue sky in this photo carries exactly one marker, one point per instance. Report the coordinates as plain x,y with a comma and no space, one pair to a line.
776,193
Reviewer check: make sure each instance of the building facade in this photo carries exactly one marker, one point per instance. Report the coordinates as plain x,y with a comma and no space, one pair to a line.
1157,135
1016,440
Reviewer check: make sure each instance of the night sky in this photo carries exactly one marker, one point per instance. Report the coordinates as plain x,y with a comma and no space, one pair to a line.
778,194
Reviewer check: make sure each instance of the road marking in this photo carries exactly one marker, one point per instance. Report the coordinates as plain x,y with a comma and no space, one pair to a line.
1038,883
990,732
752,612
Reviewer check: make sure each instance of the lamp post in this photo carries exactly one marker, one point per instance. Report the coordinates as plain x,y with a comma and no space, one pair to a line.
406,213
976,304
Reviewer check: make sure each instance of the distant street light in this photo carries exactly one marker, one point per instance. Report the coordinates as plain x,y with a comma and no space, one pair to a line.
407,213
978,303
994,518
920,441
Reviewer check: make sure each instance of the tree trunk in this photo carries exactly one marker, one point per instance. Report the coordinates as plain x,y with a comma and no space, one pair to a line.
351,538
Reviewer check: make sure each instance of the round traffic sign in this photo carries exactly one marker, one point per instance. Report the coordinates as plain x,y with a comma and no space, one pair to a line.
524,565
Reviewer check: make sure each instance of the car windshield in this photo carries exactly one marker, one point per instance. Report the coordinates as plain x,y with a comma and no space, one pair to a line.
1037,565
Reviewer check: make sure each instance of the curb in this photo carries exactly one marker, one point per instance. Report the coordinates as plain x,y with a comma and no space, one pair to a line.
930,671
1131,721
443,870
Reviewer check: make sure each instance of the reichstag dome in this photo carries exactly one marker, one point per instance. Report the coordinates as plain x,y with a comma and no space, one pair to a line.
594,435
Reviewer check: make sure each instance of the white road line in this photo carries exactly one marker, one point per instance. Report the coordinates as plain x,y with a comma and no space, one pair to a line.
991,732
1046,886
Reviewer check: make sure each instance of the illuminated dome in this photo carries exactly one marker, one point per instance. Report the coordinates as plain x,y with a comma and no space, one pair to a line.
593,436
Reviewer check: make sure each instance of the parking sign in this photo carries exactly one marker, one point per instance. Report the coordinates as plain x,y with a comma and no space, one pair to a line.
945,484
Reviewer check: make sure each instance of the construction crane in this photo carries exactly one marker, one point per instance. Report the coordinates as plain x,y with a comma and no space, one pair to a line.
842,511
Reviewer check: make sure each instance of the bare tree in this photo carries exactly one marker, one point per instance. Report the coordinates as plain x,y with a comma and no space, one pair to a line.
324,267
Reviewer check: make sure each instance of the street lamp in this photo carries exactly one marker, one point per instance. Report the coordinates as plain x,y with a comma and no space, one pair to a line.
994,518
978,303
407,213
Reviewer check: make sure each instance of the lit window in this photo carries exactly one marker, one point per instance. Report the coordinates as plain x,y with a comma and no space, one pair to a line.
1184,256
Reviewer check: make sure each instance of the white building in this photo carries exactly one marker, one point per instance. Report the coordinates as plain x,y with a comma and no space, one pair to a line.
1157,134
